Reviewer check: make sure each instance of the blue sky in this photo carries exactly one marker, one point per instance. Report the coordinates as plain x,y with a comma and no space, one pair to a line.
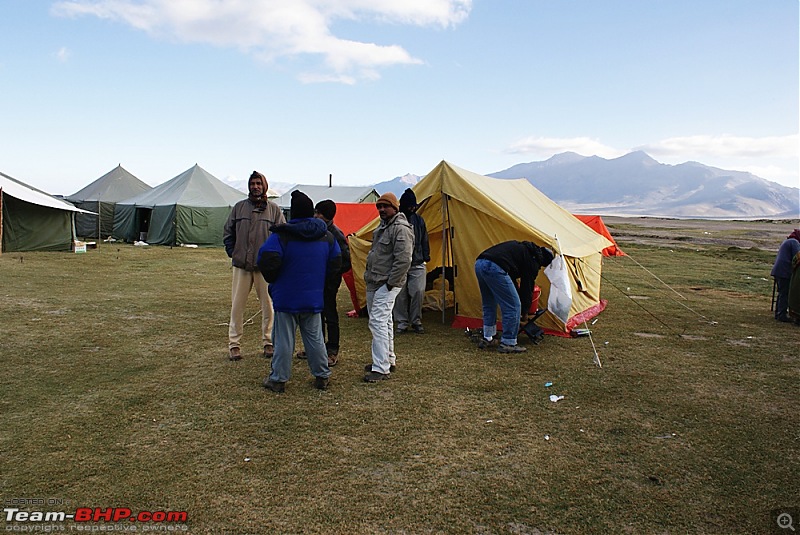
368,90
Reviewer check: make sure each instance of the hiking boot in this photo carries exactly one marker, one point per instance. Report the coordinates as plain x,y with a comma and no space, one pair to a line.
418,329
235,354
483,343
392,368
374,377
302,355
275,386
321,383
505,348
268,351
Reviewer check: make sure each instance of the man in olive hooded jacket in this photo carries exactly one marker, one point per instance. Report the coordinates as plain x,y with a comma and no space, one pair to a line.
248,227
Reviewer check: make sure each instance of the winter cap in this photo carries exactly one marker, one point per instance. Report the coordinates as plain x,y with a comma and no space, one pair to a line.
390,199
327,208
547,256
408,201
301,205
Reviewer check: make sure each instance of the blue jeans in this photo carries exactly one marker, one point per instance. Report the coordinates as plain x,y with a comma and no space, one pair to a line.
283,332
497,288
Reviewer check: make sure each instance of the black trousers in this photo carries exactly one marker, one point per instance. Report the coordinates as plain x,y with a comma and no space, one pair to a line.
782,303
330,316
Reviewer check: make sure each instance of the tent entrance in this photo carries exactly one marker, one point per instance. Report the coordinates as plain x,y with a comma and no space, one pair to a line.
143,222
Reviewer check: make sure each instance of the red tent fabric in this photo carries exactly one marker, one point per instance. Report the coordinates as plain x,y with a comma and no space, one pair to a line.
595,222
350,217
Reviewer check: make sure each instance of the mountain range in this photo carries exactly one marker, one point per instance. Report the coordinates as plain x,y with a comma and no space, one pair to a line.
637,185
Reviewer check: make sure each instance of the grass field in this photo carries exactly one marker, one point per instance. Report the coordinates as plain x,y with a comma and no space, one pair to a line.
116,392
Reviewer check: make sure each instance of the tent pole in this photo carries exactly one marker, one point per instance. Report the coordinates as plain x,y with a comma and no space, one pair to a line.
1,221
444,254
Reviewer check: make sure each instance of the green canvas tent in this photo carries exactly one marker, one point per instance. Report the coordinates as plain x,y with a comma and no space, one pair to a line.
466,213
32,220
189,209
101,197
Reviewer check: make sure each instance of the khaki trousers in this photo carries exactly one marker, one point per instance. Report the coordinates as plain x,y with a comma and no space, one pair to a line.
242,282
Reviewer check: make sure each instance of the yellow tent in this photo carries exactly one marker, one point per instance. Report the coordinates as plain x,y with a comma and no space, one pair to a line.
467,213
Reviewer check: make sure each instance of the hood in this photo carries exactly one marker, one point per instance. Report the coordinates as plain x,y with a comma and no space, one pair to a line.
304,228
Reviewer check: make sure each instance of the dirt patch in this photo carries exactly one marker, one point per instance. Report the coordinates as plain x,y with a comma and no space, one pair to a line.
649,335
761,234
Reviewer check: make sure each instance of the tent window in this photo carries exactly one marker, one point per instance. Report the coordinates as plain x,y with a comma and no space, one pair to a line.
199,219
580,272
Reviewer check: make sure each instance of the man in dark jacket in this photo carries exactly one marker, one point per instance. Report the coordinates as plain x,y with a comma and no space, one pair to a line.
408,306
782,273
247,228
498,269
297,260
326,211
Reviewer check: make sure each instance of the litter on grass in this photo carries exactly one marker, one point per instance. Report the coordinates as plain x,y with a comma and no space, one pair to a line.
555,398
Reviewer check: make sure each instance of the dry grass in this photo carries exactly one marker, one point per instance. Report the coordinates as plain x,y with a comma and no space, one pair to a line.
116,393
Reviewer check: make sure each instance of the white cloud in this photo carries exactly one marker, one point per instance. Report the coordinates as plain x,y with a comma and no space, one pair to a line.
275,29
547,146
63,54
725,146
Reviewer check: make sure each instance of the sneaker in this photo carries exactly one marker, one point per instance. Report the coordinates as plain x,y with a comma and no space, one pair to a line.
275,386
392,368
374,377
268,351
402,330
302,355
483,343
321,383
418,329
235,354
504,348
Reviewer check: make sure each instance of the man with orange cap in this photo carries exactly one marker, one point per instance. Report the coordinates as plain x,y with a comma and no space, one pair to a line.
388,262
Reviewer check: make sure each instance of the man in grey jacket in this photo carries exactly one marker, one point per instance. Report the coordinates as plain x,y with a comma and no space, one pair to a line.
248,227
387,266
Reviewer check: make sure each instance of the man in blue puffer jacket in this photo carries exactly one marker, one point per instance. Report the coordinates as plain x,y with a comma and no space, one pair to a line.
296,260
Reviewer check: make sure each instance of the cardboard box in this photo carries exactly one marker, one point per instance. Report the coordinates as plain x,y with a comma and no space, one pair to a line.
79,246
